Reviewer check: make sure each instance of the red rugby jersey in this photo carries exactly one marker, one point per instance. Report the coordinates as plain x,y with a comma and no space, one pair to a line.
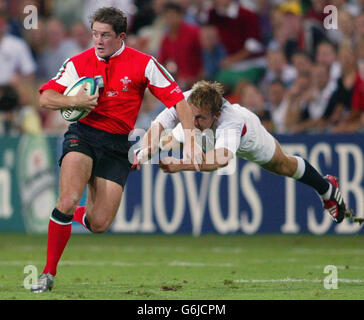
126,76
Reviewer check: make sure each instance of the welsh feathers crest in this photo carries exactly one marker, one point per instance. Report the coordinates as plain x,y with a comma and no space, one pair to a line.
125,82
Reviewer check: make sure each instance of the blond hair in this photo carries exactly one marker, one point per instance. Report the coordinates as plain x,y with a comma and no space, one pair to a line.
207,95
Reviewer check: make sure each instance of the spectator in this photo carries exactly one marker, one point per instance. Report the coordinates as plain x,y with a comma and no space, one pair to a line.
136,42
8,102
253,99
302,62
279,35
317,110
213,52
181,50
277,68
359,28
16,117
277,105
16,14
68,11
360,56
36,40
289,31
58,49
352,121
301,32
351,7
343,96
345,30
316,12
263,10
82,36
360,5
195,10
240,34
326,55
143,17
153,34
17,62
299,95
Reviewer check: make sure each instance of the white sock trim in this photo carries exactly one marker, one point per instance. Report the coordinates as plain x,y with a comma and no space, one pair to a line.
59,222
300,168
83,220
327,194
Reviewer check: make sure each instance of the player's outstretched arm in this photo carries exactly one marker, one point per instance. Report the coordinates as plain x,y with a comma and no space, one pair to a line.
52,99
191,151
149,144
213,160
168,142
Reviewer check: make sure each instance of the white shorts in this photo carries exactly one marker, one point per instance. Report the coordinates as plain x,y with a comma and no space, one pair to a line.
257,145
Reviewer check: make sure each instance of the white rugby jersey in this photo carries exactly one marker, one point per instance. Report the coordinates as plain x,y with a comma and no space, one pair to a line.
226,131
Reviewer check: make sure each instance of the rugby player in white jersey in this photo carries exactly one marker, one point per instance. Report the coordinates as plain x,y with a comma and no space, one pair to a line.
235,131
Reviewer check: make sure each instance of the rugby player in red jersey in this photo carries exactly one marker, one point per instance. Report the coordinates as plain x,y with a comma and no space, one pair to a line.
95,149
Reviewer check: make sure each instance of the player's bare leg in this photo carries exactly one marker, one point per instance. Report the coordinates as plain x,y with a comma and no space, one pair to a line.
103,201
301,170
281,163
75,173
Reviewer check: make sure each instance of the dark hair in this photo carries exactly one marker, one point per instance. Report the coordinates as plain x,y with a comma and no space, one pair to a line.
277,81
328,43
110,15
173,6
3,14
302,53
9,98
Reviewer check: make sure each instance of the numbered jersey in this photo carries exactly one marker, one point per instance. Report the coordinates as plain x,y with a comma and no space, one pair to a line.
126,76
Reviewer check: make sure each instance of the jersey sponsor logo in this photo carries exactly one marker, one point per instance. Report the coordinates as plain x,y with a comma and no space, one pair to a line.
112,93
74,142
125,82
176,90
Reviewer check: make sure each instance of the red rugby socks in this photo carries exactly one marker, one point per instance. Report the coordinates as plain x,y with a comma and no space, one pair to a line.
80,217
59,232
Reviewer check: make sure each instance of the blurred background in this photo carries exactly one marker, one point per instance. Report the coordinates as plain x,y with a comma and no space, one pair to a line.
305,82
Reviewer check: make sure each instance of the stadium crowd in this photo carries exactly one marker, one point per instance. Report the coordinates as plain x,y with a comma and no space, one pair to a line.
275,57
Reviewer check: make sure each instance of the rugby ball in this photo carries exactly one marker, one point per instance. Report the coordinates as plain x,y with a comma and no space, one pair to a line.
74,113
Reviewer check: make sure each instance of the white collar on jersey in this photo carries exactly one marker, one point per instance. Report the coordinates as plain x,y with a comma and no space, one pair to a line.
114,55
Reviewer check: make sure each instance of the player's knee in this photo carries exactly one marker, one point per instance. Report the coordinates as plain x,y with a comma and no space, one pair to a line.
99,225
68,202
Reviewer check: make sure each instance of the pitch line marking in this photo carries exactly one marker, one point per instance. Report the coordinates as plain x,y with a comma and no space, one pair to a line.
122,263
342,267
295,280
327,251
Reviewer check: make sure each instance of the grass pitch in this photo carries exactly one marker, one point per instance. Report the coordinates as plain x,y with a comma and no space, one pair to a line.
185,267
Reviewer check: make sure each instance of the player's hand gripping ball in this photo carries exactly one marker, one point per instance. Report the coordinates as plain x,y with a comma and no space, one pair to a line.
92,85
